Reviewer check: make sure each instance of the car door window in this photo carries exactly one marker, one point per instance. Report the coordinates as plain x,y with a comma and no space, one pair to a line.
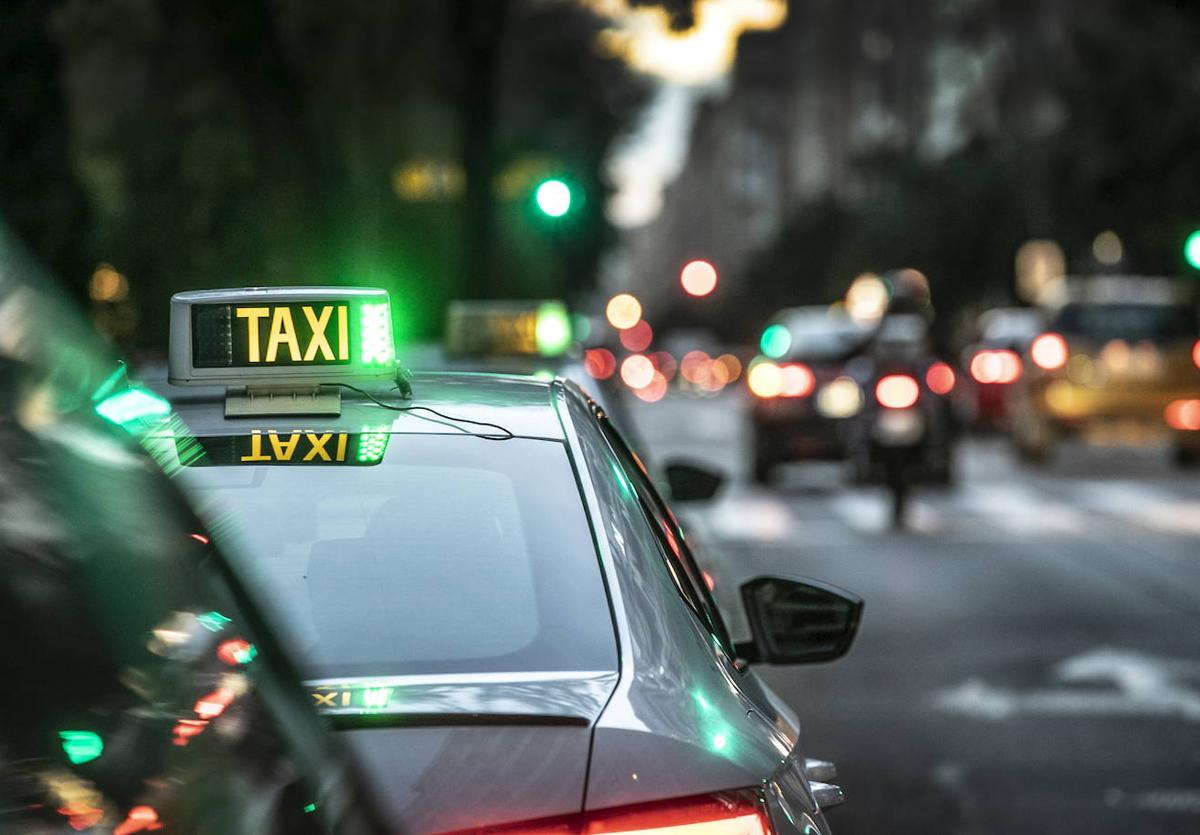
682,565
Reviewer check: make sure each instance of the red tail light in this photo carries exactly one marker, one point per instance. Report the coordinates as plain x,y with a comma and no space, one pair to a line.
1196,353
940,378
727,813
996,367
1049,351
798,380
897,391
1183,415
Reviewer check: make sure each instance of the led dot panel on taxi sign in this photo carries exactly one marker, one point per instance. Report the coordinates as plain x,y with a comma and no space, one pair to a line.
297,447
279,336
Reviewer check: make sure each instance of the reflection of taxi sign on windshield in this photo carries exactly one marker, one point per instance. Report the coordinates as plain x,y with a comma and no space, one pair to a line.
301,447
507,328
277,336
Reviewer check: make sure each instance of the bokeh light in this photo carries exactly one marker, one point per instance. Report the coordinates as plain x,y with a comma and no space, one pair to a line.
897,391
553,198
623,311
599,363
1107,247
940,378
638,337
775,341
653,391
867,298
665,362
637,371
108,285
765,379
1049,351
699,278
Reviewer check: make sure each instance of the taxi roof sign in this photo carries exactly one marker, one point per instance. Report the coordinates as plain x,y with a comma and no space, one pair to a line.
508,328
279,336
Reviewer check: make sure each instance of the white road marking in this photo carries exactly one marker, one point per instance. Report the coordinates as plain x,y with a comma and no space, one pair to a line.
1128,683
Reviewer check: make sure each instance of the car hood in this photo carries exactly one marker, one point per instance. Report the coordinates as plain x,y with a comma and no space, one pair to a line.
461,751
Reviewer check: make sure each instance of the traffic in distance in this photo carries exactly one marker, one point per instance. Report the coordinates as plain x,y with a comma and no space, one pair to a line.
483,589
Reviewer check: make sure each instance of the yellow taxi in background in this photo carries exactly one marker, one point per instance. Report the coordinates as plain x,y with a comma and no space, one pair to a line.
1119,362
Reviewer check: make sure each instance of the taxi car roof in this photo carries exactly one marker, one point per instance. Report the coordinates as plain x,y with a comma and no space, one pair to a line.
521,405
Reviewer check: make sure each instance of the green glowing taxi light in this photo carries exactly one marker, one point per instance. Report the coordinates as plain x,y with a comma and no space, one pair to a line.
309,808
553,329
375,323
376,696
1191,249
776,340
372,445
81,746
129,407
553,198
719,742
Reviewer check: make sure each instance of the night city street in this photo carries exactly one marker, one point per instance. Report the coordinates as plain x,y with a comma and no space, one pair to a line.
600,417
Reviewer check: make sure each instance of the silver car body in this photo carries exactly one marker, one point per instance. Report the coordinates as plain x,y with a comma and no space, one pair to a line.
677,717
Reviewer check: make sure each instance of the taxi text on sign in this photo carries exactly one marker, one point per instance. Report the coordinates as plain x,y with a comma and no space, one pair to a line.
290,334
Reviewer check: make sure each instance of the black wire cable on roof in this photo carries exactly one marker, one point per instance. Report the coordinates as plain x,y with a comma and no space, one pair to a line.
456,420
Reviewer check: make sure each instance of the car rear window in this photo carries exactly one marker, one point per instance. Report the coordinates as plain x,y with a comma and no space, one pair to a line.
819,337
1130,322
453,554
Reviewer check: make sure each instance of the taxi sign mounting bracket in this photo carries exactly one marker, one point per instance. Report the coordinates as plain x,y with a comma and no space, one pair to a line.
257,401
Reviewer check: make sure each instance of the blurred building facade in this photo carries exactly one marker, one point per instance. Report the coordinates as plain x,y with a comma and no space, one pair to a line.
840,79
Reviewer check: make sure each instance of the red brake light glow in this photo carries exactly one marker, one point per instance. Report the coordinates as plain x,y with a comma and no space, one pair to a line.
727,813
897,391
940,378
1183,415
996,367
798,380
1049,352
1196,353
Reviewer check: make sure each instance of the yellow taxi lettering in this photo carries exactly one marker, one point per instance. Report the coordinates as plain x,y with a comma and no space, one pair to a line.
256,453
318,446
343,333
319,341
323,699
252,315
345,698
283,329
341,446
284,450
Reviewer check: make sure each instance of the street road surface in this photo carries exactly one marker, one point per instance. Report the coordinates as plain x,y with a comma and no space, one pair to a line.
1029,659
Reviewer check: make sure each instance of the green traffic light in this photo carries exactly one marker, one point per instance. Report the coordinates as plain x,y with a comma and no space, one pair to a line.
1191,249
553,198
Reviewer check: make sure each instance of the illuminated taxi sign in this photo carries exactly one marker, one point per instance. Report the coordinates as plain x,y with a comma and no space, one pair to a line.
296,447
275,336
507,328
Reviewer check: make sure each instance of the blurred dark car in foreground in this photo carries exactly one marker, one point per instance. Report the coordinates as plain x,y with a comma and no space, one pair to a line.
143,691
1120,361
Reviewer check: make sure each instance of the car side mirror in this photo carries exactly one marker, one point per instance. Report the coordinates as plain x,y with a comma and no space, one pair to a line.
798,621
691,482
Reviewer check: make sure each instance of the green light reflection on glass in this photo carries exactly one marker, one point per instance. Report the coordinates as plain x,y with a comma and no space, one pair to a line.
81,746
213,621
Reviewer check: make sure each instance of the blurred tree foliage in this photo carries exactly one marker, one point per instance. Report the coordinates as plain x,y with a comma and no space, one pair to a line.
259,142
1100,130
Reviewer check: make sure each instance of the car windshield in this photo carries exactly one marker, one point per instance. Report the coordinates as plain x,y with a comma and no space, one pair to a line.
452,555
1130,322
